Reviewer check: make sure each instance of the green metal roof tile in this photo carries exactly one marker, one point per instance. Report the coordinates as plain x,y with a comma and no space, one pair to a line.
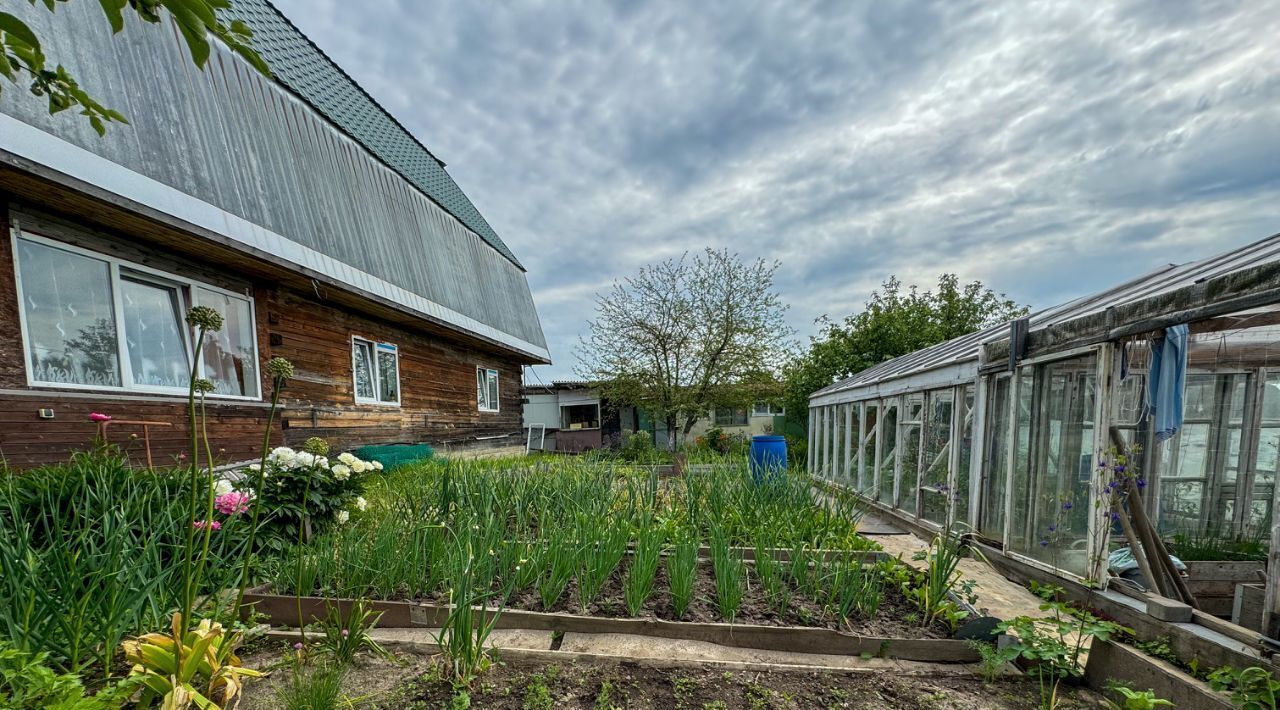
297,63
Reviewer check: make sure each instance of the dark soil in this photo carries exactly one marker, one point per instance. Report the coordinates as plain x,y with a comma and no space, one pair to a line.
894,618
530,686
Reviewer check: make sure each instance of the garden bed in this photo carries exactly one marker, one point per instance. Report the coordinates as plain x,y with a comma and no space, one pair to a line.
539,685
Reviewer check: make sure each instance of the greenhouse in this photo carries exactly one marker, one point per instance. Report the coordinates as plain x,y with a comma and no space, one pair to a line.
1001,431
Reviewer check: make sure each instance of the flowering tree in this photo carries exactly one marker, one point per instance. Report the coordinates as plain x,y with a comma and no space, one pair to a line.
686,335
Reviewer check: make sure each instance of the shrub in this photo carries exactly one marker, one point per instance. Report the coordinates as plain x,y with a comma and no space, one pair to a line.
308,490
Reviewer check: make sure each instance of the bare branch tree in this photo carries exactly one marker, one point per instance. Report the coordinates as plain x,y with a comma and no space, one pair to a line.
686,335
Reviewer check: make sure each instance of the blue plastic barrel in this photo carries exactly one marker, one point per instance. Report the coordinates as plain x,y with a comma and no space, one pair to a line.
768,457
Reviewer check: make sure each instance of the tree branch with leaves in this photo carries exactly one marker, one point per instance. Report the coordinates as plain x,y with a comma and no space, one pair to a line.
22,57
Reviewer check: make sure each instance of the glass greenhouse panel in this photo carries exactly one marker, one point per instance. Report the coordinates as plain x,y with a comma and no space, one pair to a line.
867,472
909,433
960,492
935,492
888,450
995,461
1060,461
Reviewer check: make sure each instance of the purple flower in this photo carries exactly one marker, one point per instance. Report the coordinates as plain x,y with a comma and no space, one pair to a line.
1142,483
1044,542
297,646
1066,505
1052,528
1115,517
345,633
1120,468
1102,463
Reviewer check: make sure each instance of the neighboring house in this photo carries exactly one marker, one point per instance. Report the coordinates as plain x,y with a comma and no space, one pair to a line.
570,416
575,418
319,227
761,418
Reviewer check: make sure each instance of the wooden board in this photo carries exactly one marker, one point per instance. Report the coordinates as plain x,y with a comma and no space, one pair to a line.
284,611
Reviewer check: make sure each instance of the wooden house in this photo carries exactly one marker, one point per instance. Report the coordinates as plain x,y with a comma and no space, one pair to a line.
295,205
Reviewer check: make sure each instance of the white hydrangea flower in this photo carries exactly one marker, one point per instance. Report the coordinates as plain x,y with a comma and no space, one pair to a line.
361,503
341,472
342,517
347,457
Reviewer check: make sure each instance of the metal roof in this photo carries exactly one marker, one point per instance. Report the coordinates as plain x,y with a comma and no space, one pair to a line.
305,69
966,348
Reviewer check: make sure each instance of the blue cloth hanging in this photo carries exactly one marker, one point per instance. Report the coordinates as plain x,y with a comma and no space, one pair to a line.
1166,380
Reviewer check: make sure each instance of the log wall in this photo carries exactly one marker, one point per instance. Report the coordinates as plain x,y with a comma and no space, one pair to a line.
313,330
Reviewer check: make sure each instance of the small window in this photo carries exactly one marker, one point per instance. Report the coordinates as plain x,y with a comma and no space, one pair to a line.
730,417
764,409
487,389
375,370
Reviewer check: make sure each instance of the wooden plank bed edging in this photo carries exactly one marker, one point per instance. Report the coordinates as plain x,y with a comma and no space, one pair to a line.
283,611
1110,661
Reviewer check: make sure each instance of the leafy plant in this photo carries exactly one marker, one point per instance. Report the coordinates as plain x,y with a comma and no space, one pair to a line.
940,580
1134,699
1053,645
993,658
188,666
561,560
1252,688
474,611
26,681
343,637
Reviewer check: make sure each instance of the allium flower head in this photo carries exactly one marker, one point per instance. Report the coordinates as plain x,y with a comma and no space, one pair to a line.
203,385
99,417
316,446
280,369
204,318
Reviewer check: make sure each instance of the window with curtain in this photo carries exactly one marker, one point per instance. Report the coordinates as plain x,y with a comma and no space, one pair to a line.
94,321
230,355
375,369
487,389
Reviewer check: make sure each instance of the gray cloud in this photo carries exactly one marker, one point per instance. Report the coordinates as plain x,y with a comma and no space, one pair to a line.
1047,148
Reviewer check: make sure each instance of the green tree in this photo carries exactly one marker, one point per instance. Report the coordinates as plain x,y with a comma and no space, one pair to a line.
893,323
686,335
22,57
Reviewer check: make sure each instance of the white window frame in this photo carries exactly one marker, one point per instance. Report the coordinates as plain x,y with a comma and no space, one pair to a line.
114,265
769,410
717,410
376,347
496,406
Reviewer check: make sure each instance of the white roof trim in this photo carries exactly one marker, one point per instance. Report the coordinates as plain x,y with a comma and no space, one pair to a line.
34,144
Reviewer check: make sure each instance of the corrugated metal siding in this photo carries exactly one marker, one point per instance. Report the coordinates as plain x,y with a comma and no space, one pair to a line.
237,140
1162,280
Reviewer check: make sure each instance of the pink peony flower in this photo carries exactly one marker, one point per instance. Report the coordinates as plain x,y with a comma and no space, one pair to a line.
232,503
99,417
212,525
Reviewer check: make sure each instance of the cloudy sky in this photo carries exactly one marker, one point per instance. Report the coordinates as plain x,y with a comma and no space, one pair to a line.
1048,149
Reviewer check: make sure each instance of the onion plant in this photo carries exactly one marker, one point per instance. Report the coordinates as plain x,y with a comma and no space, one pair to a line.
682,571
560,559
730,573
851,588
599,559
771,573
644,567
